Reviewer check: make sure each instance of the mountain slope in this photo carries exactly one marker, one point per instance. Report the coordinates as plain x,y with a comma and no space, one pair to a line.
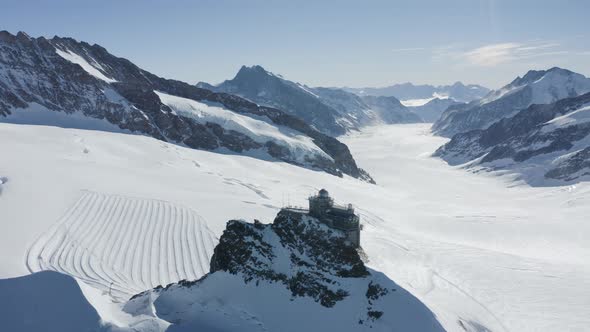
536,87
332,111
268,276
545,144
391,110
408,91
61,81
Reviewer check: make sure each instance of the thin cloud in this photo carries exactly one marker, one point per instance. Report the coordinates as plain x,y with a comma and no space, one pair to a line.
495,54
491,55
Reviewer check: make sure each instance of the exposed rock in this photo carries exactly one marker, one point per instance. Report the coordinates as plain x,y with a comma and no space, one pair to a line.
539,137
64,75
294,274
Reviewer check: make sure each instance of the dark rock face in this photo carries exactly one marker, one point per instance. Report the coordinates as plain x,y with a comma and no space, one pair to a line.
526,136
331,111
32,72
575,166
317,256
536,87
295,274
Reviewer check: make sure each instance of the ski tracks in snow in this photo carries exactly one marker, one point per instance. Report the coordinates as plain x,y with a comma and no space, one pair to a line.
125,245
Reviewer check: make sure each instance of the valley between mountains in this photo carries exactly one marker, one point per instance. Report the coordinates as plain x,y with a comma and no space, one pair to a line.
479,251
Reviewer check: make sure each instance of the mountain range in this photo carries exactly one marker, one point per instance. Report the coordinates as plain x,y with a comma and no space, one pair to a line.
329,110
542,144
408,91
536,87
63,82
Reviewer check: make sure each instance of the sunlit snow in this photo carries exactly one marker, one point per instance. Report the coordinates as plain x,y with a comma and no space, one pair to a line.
94,70
475,248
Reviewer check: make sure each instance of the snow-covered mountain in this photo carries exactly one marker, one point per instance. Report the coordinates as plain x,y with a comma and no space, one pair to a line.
433,109
296,266
543,144
391,109
415,95
536,87
67,83
330,110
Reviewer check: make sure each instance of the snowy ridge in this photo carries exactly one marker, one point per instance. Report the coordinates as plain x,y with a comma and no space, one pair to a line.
259,130
542,145
85,86
417,95
124,245
332,111
577,117
93,69
536,87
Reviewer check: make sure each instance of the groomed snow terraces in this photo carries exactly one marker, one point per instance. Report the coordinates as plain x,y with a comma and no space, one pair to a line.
125,245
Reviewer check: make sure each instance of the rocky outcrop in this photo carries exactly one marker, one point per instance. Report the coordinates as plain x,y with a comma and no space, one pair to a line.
294,274
317,256
71,77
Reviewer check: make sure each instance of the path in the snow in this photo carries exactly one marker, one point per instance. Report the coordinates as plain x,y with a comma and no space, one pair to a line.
124,245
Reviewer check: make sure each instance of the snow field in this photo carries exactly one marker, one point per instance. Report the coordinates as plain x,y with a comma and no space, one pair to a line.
124,245
481,251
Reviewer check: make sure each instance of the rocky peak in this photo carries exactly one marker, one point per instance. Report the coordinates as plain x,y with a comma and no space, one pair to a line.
7,37
254,72
533,75
295,270
307,257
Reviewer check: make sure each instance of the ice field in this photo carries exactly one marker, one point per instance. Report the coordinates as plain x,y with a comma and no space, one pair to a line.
124,213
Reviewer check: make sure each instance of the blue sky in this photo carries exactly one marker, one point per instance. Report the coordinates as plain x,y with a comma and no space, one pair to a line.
324,43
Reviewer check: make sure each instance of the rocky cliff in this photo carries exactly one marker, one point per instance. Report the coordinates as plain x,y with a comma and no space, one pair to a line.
294,274
61,81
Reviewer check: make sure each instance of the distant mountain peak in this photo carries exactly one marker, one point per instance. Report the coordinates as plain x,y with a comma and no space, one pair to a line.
255,70
534,75
408,91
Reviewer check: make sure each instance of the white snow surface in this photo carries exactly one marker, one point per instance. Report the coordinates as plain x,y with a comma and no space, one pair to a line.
137,244
255,127
579,116
416,102
94,69
482,252
554,85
